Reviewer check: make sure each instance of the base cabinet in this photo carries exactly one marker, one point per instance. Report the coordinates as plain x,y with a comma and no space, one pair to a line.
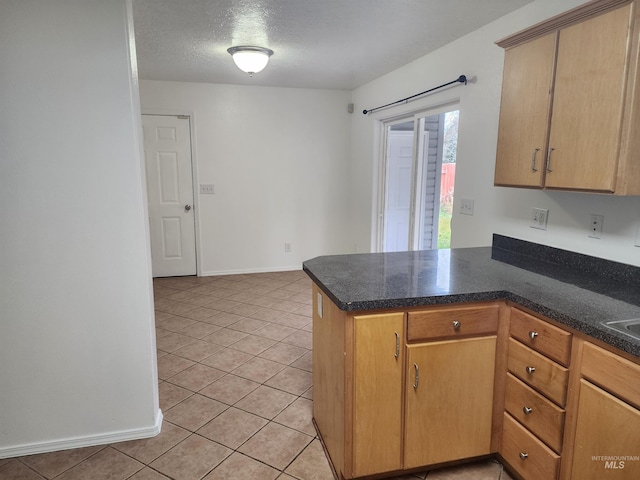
401,390
607,443
535,396
384,405
377,386
449,400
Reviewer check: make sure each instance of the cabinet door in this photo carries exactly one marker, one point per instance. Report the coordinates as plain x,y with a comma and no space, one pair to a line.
449,399
588,103
607,437
377,386
524,113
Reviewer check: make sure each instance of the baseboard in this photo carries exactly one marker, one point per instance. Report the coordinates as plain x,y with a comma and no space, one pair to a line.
103,439
217,273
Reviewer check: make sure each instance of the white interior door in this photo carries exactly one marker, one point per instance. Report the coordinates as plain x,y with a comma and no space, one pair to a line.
167,151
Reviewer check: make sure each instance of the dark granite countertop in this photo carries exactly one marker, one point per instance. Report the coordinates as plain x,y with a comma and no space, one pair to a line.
575,290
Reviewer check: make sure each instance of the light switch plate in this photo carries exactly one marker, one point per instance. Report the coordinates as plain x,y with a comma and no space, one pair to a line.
207,188
466,206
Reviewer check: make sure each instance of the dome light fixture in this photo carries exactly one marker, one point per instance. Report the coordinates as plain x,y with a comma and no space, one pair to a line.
250,59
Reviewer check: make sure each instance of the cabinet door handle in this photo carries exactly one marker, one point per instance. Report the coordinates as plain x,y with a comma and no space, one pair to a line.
524,456
549,159
456,325
533,334
397,354
527,410
533,159
530,370
417,375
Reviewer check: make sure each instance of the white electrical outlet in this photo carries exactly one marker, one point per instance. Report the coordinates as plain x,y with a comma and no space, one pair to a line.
466,206
207,188
539,218
287,247
595,226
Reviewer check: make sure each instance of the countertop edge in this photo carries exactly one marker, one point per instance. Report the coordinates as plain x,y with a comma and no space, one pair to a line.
609,336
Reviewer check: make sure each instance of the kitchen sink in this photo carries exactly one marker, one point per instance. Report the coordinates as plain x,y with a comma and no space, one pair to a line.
630,327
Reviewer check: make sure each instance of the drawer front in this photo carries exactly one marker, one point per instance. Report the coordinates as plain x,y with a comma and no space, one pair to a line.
612,372
548,339
542,417
538,371
450,322
527,455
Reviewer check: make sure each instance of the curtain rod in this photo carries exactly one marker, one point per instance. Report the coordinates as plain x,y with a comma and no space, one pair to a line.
460,79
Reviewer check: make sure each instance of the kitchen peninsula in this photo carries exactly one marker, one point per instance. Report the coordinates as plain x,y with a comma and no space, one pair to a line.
427,358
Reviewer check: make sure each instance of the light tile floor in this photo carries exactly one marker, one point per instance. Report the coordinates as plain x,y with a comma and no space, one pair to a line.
234,367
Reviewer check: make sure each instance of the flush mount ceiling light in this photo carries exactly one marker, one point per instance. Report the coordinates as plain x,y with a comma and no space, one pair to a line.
250,59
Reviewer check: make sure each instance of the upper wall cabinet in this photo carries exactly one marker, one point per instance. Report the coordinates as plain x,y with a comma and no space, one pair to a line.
569,117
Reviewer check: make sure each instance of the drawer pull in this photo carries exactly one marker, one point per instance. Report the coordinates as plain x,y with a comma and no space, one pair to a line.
527,410
397,345
533,334
524,456
456,325
417,375
530,370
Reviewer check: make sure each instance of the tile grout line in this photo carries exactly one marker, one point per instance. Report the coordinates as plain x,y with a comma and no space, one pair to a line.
268,420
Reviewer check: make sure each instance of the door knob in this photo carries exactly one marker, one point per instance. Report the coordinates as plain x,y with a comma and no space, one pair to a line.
187,208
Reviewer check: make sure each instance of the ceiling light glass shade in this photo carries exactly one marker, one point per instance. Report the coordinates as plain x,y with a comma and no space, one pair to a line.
250,59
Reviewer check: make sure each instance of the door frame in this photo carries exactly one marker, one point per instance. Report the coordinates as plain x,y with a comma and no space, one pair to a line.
194,174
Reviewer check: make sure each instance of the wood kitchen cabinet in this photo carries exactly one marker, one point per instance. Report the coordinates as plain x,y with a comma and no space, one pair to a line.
607,437
524,118
449,400
399,390
371,419
569,111
377,385
535,396
607,425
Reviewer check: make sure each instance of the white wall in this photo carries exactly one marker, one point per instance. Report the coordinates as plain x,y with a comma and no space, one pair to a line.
278,158
499,210
77,344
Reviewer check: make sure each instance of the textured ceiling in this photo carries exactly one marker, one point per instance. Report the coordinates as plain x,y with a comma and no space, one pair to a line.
335,44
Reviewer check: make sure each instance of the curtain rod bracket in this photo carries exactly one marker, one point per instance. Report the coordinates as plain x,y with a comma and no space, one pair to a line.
460,79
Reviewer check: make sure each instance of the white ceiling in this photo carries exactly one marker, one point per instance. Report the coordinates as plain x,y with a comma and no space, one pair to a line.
334,44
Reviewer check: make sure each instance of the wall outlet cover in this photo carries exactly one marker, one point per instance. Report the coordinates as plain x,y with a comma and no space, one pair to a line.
539,217
595,226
